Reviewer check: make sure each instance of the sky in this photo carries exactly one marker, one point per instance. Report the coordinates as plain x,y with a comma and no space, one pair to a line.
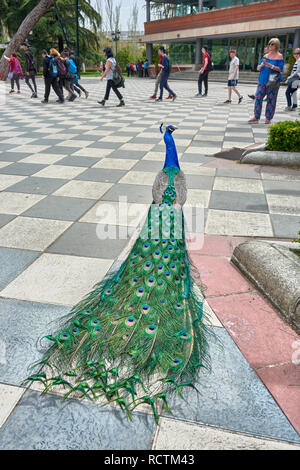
126,10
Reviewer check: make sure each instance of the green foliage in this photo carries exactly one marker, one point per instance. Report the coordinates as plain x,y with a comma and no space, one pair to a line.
57,28
284,136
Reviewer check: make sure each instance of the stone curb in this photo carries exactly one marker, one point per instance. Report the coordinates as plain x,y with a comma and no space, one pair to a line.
275,270
258,157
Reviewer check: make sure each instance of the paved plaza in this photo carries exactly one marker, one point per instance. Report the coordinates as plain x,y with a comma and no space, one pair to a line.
61,167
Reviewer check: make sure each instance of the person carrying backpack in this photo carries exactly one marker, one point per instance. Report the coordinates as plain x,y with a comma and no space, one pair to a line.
51,75
110,69
165,72
77,86
69,78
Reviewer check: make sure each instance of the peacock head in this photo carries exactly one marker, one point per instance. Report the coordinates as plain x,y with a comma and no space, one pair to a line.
171,152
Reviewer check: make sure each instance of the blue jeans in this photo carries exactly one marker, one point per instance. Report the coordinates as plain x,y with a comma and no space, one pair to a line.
164,84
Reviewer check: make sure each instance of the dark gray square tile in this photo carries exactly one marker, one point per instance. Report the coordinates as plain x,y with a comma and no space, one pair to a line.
195,158
287,188
131,154
13,262
152,166
95,245
12,156
238,139
5,218
238,201
48,423
24,169
74,160
285,226
60,208
5,147
101,174
36,185
105,145
134,193
204,143
199,182
242,173
232,396
27,323
56,150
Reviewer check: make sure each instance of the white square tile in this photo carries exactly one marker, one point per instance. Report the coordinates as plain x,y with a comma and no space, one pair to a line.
31,233
143,147
9,180
60,171
245,185
93,152
9,397
116,163
138,177
29,148
83,189
245,224
115,213
16,203
58,279
198,197
283,204
74,143
43,158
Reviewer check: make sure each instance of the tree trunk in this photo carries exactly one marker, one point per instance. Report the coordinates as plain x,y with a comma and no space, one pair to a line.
26,26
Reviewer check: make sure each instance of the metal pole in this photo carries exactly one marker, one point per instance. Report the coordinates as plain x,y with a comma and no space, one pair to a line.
77,27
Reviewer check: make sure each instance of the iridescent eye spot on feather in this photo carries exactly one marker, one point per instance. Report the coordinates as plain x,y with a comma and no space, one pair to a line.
108,292
126,336
148,266
75,331
183,275
175,363
164,242
160,268
133,262
86,312
166,257
134,255
173,267
145,309
179,307
63,336
168,275
151,330
140,292
115,319
157,254
134,281
185,336
130,321
151,282
160,284
162,301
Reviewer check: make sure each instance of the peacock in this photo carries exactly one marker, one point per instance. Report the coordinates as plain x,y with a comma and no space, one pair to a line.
140,335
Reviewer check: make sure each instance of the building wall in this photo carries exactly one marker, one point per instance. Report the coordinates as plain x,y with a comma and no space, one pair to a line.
270,15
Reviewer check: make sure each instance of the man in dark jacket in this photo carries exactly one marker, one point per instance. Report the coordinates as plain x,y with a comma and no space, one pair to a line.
50,79
30,70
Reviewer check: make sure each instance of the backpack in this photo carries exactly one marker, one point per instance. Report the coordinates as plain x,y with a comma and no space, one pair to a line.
61,68
53,68
118,77
72,67
210,65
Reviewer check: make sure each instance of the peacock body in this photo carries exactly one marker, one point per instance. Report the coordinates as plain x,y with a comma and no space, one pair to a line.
139,335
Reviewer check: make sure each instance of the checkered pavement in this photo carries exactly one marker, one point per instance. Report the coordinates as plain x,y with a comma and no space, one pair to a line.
61,168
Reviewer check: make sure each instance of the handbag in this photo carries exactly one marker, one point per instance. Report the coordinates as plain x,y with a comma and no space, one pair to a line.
118,78
293,82
274,80
10,75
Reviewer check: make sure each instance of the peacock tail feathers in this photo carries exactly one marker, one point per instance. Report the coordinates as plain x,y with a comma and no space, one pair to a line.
141,334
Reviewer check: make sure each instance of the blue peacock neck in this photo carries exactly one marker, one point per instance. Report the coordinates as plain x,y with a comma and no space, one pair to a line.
171,166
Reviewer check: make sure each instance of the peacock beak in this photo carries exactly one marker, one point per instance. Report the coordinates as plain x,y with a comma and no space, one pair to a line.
172,129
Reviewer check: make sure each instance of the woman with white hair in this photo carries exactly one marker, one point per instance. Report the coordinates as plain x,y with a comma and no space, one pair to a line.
293,83
270,68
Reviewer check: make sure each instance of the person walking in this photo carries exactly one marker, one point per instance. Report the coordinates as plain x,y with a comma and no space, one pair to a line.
146,66
268,84
30,69
51,75
293,83
203,73
157,80
110,67
15,72
165,67
71,70
77,86
233,77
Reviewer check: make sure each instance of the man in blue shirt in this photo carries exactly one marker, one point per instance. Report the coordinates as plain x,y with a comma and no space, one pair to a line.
165,72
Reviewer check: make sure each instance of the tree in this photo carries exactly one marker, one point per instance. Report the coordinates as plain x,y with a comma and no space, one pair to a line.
26,26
